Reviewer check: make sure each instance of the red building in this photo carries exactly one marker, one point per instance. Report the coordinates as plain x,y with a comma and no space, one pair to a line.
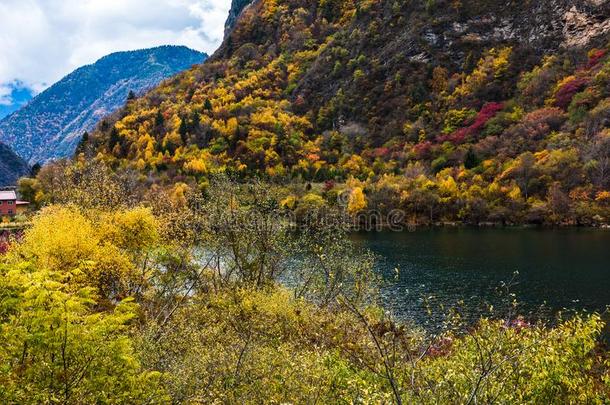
9,205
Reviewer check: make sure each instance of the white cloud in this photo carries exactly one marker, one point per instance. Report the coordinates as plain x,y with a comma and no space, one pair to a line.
5,95
43,40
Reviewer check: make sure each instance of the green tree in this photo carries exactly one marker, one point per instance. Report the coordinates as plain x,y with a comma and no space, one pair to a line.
183,130
82,143
36,169
159,119
57,349
114,138
471,160
207,105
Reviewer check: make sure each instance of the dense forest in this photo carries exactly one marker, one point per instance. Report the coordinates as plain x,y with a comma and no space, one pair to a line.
425,106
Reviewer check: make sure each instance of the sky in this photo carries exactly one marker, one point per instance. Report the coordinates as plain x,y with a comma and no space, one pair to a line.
41,41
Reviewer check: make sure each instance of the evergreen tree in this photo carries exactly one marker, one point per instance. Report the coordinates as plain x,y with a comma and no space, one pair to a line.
471,160
183,130
159,119
207,105
82,143
114,138
469,63
36,169
195,121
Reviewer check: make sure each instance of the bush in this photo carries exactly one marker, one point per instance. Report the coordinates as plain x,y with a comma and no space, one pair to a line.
567,89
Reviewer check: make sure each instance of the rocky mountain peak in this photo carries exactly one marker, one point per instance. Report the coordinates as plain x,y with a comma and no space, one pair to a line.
237,6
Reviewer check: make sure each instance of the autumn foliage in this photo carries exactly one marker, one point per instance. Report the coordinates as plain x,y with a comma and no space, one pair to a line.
298,95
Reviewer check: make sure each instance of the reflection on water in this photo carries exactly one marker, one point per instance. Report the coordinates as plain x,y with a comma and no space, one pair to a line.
561,268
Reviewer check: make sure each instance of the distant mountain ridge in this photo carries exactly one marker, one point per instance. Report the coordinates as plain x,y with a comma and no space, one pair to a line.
11,166
51,125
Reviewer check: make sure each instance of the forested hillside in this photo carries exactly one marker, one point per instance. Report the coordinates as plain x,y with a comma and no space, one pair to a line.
469,110
11,166
52,124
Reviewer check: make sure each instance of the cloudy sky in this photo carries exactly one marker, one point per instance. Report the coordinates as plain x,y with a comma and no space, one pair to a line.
43,40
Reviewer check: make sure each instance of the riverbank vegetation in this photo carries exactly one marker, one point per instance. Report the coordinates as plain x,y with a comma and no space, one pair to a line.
391,201
214,298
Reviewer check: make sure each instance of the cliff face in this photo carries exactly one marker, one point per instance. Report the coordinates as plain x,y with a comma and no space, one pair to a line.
384,40
447,25
237,6
584,24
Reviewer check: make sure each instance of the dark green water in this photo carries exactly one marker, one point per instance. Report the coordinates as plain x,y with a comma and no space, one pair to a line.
558,269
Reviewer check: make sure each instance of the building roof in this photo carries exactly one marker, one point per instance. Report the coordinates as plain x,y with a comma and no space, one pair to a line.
7,195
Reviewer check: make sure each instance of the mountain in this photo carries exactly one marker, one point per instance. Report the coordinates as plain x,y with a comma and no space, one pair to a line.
51,125
14,96
11,166
452,110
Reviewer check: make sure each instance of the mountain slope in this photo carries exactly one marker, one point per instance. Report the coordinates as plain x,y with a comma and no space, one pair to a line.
51,125
11,166
472,110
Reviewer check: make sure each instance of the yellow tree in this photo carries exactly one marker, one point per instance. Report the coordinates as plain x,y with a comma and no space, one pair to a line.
357,201
56,348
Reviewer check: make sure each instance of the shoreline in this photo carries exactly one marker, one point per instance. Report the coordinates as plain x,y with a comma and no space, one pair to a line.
365,228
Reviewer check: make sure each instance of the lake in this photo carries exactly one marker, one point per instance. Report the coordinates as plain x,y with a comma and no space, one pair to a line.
438,268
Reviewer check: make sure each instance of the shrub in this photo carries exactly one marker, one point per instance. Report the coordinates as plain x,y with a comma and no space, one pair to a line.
488,111
57,349
567,89
595,56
